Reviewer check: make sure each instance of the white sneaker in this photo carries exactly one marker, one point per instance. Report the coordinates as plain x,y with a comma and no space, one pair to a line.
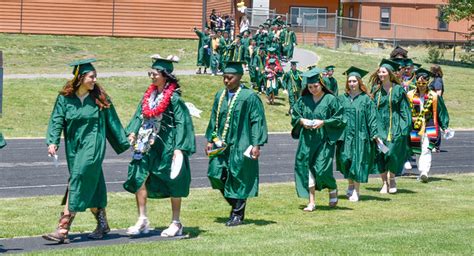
407,165
354,197
424,177
384,189
141,227
174,229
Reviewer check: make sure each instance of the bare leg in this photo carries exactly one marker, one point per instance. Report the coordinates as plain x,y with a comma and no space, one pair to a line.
141,197
142,225
176,207
311,195
350,188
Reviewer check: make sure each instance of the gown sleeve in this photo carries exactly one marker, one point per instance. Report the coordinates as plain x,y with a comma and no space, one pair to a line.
136,121
57,122
296,115
258,124
443,116
405,113
184,136
334,125
371,117
114,130
212,120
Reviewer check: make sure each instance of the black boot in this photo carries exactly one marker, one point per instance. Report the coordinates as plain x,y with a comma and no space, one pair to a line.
102,227
61,234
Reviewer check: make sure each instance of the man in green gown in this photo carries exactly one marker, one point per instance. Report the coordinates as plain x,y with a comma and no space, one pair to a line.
237,50
204,49
236,131
288,39
292,83
224,51
86,127
332,85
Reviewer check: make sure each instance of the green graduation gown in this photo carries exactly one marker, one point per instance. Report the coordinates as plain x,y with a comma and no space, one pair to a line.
332,85
203,56
154,168
398,112
86,129
259,64
3,143
288,40
315,150
355,151
237,52
292,83
247,127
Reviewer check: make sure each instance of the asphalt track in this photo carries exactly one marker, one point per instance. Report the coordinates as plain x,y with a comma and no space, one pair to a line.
26,170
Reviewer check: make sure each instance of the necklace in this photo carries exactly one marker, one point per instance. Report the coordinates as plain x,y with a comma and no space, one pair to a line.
162,104
229,113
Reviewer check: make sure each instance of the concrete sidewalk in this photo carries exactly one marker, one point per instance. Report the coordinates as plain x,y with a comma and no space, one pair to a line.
304,57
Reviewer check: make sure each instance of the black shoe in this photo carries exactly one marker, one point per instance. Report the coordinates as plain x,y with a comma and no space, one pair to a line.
234,221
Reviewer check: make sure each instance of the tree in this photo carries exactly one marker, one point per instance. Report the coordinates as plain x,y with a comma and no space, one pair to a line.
457,10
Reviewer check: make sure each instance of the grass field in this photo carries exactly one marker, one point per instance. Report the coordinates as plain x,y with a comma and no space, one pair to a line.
422,219
28,102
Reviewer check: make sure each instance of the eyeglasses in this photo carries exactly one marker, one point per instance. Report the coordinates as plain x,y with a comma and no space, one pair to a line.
152,73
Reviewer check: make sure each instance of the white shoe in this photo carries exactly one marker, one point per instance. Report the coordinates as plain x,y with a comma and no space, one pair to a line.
384,189
354,197
141,227
424,177
393,186
174,229
310,208
407,165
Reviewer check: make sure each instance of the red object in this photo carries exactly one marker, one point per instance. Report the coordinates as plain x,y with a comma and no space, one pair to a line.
162,106
278,67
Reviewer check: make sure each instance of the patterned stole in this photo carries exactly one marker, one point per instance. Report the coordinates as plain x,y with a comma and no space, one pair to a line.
423,121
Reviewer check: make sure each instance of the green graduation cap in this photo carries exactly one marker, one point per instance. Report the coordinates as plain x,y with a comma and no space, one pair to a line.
272,61
313,75
329,68
391,65
165,64
271,49
423,72
82,66
355,71
309,67
234,67
238,36
417,65
407,63
294,62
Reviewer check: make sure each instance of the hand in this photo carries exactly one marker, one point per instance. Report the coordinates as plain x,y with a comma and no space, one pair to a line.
52,149
303,121
208,148
131,138
176,153
319,124
255,152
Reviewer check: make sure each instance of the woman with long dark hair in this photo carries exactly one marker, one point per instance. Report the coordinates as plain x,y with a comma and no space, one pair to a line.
355,150
162,137
394,123
317,120
85,114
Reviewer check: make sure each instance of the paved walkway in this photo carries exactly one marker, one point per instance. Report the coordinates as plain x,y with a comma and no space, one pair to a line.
304,57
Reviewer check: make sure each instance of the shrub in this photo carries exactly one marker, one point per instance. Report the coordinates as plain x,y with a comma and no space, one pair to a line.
434,55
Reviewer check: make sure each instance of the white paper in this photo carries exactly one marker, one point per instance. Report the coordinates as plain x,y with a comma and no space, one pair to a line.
309,122
382,147
193,111
176,166
248,151
448,134
55,159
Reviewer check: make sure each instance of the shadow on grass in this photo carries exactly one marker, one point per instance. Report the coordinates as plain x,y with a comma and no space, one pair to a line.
456,64
191,232
399,191
248,221
4,250
373,198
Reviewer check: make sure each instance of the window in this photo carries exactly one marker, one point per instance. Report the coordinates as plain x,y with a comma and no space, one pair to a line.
442,25
312,17
385,18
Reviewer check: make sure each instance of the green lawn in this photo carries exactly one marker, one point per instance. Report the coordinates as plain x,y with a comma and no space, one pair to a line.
34,54
423,219
29,102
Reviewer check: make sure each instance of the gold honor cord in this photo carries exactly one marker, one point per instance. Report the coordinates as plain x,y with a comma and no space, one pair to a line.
76,74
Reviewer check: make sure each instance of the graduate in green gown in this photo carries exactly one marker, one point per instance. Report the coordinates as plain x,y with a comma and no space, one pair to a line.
237,50
236,132
429,115
355,150
162,136
224,45
204,50
332,82
292,83
394,123
87,117
259,63
288,39
3,143
317,120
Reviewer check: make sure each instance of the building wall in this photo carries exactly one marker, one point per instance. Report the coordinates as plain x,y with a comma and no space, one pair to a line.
283,6
144,18
421,15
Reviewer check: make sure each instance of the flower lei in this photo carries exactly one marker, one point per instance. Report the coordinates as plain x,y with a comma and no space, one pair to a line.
420,119
162,105
229,114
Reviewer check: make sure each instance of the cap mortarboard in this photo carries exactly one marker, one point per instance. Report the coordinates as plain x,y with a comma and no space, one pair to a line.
82,66
423,72
234,67
271,49
391,65
417,65
407,62
294,62
329,68
165,64
313,75
272,61
355,71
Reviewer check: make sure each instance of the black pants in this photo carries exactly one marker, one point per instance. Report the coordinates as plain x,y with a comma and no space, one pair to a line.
238,205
